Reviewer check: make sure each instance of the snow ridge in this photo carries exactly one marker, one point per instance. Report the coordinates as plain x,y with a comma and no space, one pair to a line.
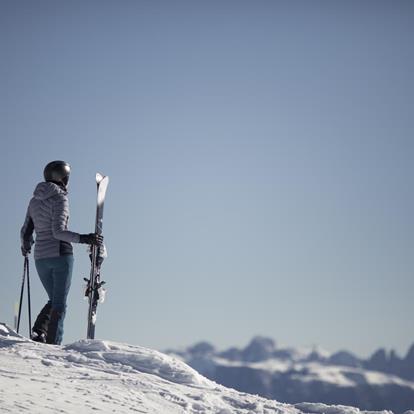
103,376
136,358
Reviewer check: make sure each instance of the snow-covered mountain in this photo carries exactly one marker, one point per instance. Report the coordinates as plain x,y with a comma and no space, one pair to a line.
291,375
91,376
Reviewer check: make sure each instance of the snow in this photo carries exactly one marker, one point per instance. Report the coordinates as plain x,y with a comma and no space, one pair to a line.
91,376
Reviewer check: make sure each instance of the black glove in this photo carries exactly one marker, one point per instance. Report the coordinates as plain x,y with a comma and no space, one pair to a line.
25,251
91,238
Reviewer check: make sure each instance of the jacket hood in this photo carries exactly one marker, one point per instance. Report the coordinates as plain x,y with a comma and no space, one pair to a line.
46,190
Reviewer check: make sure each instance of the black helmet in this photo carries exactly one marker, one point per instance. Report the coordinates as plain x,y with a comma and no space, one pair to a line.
57,172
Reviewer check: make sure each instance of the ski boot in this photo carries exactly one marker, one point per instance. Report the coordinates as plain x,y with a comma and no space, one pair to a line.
38,337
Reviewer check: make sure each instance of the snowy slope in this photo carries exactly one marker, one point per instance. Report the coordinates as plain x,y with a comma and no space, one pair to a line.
101,376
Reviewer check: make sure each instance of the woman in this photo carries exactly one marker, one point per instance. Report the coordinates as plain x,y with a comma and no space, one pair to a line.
48,215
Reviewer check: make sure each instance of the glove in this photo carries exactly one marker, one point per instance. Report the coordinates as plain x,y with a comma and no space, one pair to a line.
25,252
91,238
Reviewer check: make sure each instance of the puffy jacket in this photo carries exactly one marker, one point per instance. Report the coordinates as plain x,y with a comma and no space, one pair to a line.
48,215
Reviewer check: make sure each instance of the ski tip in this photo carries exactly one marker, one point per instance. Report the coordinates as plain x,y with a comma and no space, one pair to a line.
99,177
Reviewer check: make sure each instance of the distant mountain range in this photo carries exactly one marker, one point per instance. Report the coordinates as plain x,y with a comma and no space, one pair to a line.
292,375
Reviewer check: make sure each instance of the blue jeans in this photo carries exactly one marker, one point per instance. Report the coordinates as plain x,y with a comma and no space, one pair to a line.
55,273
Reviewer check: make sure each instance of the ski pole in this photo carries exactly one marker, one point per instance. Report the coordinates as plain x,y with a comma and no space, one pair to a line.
28,296
21,295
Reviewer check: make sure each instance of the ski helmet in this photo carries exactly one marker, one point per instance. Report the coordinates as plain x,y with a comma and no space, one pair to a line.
57,172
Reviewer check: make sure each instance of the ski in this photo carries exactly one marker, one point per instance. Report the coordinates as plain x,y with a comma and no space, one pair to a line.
94,290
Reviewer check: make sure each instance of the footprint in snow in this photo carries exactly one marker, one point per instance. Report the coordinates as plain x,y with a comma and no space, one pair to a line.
174,399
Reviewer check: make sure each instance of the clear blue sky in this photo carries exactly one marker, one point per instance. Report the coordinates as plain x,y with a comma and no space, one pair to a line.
260,156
